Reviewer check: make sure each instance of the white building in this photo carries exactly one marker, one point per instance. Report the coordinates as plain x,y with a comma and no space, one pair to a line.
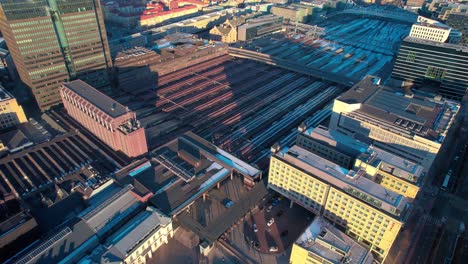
433,30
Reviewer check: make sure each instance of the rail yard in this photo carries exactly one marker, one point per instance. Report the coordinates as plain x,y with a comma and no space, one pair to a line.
241,105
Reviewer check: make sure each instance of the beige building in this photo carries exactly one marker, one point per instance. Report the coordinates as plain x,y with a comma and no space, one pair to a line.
11,113
227,32
403,123
369,212
322,243
137,240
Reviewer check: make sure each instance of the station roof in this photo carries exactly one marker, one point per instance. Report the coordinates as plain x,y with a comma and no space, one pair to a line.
75,234
110,209
183,169
95,97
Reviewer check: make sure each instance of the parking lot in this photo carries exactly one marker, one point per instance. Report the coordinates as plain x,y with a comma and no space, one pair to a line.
281,234
269,230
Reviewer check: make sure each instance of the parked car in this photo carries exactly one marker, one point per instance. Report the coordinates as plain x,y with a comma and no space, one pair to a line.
273,249
271,221
269,208
275,202
228,203
255,228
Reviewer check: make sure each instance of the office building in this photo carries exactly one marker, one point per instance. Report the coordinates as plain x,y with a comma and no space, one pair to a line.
407,124
259,26
54,41
107,119
433,30
291,13
366,210
389,170
321,242
11,113
426,63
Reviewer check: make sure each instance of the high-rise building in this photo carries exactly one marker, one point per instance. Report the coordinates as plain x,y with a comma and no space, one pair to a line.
366,210
11,113
427,63
55,41
107,119
408,124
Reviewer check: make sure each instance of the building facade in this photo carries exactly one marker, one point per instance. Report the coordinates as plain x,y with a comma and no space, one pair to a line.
424,62
11,113
433,30
136,241
407,124
55,41
259,26
107,119
368,211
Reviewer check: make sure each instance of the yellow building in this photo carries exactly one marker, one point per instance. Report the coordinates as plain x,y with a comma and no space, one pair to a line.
11,113
387,169
136,241
392,172
321,242
369,212
403,123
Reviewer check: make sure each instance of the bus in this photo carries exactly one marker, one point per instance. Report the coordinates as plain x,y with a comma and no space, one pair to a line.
446,182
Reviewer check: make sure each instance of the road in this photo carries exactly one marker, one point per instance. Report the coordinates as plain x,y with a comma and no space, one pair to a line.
431,228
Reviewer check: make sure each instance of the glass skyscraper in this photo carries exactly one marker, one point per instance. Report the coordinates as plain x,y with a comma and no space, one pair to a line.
54,41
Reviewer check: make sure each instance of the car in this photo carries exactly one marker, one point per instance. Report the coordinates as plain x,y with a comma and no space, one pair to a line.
273,249
271,222
255,228
269,208
228,203
275,202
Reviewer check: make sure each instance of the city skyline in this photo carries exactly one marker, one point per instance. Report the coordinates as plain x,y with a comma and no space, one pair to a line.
257,132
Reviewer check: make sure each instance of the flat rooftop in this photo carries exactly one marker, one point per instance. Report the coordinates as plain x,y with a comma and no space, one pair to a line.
100,100
109,207
321,236
341,142
131,234
406,111
393,164
455,47
349,181
182,170
369,154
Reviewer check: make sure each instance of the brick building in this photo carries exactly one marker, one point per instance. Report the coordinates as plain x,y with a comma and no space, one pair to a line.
107,119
